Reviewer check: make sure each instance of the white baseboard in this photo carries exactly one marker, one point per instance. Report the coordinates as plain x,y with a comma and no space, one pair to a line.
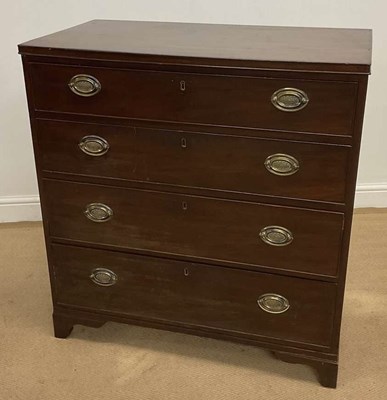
371,195
27,208
20,208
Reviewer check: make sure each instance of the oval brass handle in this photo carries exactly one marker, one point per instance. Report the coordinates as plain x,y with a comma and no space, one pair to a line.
273,303
94,145
290,99
282,164
276,235
84,85
98,212
103,277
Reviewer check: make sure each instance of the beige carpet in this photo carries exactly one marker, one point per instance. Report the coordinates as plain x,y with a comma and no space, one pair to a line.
127,362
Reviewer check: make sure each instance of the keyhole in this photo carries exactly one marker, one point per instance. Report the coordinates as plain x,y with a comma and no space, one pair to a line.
184,205
184,143
186,271
182,86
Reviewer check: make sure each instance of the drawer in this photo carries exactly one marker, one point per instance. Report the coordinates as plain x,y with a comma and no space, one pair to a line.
205,228
248,165
328,107
189,294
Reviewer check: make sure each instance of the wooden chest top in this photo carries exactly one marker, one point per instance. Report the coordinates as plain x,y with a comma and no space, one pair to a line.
323,49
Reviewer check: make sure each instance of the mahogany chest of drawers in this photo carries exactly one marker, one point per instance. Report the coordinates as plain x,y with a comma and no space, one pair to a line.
200,178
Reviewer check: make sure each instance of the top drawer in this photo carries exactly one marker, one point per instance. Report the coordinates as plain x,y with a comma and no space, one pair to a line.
278,104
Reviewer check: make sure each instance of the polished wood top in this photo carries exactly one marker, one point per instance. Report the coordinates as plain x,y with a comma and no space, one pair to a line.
263,44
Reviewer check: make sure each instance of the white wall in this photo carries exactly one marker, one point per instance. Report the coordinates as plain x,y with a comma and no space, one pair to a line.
26,19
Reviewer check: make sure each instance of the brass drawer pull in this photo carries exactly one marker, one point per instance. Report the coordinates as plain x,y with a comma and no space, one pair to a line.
98,212
273,303
282,164
289,99
103,277
84,85
94,145
276,235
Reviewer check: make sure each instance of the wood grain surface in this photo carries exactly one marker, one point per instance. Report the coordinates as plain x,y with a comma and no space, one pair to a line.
335,48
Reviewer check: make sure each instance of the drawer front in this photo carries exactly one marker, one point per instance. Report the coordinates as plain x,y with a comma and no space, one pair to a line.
199,227
269,167
198,99
192,294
